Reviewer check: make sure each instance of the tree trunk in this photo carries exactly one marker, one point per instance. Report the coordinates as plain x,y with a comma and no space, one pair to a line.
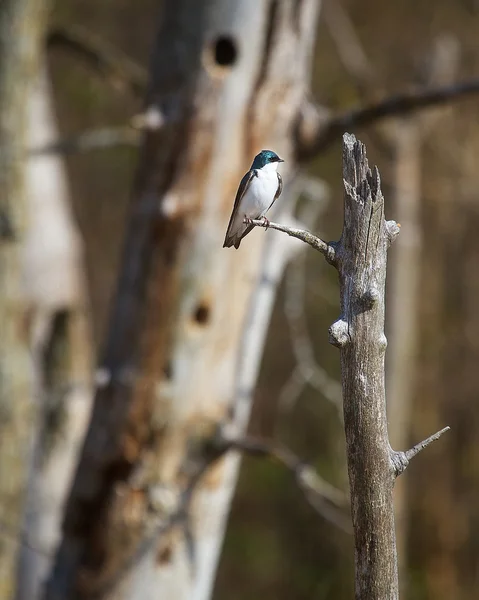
21,28
60,345
359,333
234,85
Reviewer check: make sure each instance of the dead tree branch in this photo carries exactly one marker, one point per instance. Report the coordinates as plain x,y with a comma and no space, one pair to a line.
329,129
401,459
324,498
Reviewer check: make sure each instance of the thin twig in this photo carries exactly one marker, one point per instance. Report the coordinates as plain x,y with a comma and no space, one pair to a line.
294,308
400,104
400,459
304,474
306,370
410,454
326,248
324,498
291,390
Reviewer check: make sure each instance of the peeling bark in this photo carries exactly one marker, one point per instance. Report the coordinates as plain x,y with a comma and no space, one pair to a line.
234,85
60,345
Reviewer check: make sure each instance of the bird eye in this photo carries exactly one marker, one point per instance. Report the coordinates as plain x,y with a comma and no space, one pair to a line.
272,158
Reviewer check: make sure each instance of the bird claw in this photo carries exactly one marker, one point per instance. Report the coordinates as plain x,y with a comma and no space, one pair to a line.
248,220
266,222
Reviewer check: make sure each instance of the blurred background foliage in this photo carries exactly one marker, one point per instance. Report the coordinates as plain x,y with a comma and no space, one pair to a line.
276,546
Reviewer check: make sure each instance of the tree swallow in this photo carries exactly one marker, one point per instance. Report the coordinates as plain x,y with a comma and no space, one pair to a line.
257,192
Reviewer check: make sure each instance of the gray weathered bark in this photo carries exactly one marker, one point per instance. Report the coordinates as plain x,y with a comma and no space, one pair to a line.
234,85
373,466
21,27
359,333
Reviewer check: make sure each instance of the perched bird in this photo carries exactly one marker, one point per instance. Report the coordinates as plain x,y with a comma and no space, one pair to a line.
257,192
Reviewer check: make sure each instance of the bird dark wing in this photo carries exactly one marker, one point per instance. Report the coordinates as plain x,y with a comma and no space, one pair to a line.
233,237
278,191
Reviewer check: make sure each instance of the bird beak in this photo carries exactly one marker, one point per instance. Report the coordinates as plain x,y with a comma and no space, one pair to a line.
280,160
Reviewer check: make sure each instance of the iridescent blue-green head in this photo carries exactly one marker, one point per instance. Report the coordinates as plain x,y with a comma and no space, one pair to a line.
265,157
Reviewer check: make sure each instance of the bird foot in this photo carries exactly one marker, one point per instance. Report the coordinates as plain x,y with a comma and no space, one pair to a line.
266,222
247,220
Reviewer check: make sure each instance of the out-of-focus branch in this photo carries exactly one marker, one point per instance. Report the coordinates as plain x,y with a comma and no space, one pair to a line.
329,129
294,309
327,500
305,475
306,371
102,57
321,495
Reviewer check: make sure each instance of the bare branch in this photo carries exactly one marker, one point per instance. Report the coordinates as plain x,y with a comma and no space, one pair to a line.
307,370
291,391
294,308
329,130
327,500
320,494
328,249
410,454
103,57
305,475
401,460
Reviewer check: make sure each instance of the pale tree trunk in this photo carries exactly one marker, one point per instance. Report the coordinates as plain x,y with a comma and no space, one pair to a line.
21,28
234,85
60,345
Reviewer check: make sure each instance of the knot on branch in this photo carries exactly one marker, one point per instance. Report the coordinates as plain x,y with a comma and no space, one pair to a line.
339,334
331,253
383,342
399,462
392,230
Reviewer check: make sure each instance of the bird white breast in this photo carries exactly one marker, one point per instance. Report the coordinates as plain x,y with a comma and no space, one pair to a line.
261,192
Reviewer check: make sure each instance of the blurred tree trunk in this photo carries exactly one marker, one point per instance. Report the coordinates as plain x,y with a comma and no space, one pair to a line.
403,295
444,509
408,136
228,79
59,341
21,29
